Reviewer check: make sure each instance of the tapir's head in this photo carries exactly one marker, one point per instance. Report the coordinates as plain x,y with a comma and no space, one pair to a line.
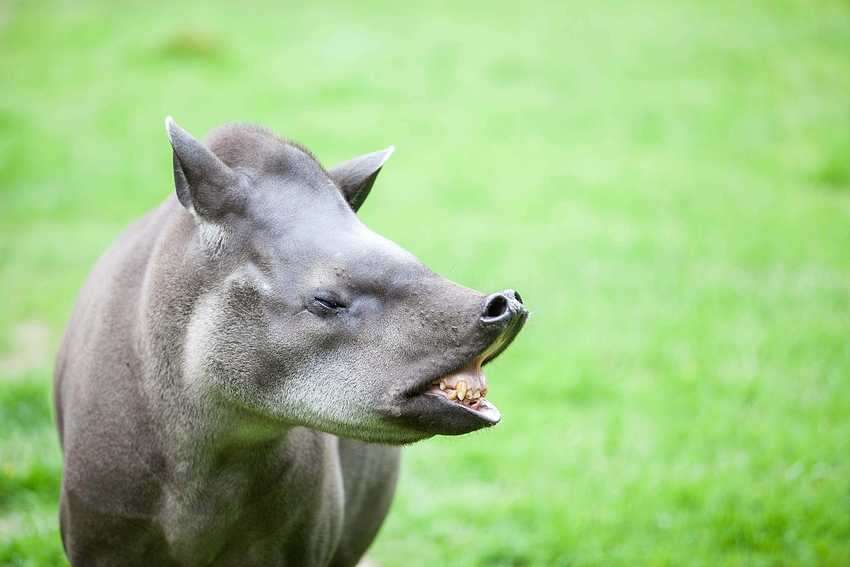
311,318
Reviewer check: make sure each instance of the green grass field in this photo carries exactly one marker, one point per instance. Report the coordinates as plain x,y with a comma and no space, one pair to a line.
666,183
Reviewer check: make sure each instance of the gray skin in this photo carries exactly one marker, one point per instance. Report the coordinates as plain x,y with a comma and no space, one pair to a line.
243,362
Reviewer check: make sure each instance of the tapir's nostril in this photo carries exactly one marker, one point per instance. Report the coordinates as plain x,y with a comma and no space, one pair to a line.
518,297
496,307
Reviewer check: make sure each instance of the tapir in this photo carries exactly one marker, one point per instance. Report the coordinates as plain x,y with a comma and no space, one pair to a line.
243,363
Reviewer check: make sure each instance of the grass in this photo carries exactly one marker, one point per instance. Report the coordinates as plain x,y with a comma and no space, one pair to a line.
666,183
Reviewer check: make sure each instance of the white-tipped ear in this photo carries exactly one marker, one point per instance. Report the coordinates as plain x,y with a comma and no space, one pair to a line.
204,184
355,177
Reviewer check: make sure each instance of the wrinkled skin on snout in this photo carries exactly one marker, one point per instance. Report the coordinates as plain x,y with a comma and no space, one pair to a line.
240,360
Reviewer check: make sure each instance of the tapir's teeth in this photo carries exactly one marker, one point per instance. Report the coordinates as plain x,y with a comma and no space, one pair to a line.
466,385
461,389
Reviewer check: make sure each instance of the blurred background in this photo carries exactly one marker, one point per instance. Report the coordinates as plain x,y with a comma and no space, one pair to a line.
667,183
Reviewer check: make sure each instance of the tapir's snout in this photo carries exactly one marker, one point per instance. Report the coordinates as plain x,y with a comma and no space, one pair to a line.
503,316
502,307
454,402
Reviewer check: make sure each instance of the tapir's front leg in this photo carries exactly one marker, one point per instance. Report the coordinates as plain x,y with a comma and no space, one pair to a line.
369,475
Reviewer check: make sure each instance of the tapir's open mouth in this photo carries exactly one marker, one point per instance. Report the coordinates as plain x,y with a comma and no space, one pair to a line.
466,387
455,402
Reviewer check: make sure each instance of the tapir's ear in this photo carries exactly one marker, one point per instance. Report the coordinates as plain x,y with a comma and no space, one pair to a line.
356,176
205,185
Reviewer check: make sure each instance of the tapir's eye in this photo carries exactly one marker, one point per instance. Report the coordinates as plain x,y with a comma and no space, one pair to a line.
326,304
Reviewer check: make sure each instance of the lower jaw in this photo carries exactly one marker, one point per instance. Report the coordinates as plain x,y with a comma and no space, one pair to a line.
479,407
435,415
